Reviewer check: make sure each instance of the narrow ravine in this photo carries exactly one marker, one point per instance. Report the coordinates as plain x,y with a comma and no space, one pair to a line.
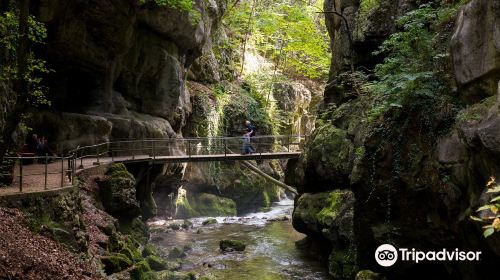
270,253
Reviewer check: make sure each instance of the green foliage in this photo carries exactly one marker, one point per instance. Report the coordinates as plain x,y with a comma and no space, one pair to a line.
9,39
182,5
413,66
292,35
491,216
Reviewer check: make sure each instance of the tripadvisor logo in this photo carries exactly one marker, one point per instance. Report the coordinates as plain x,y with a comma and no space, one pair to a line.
387,255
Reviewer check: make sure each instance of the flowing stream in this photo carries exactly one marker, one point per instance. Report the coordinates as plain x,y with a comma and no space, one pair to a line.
270,254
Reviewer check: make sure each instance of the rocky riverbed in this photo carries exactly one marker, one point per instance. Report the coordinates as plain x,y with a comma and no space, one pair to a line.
269,237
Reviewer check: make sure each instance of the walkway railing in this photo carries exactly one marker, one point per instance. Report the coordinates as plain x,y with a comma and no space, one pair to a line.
45,170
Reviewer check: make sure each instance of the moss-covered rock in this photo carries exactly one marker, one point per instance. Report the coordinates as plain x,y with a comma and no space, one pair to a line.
210,221
342,264
250,192
156,263
149,250
135,228
183,209
140,270
167,275
176,253
329,156
212,205
115,263
118,194
228,245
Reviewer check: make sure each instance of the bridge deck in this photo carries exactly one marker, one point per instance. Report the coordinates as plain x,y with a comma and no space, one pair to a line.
215,157
34,174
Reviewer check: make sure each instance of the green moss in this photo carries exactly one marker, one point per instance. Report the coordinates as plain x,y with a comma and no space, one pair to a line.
149,250
116,167
176,253
228,245
342,265
167,275
139,271
157,263
115,263
329,212
477,111
184,210
132,253
212,205
368,275
135,228
210,221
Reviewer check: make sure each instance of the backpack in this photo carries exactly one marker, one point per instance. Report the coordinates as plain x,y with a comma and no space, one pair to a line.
253,130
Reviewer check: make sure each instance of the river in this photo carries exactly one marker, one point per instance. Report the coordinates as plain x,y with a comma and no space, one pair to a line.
270,254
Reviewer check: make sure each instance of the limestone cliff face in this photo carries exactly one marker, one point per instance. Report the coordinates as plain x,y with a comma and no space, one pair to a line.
413,178
121,64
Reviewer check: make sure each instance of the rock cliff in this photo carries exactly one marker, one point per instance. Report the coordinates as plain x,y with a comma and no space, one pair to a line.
413,176
119,67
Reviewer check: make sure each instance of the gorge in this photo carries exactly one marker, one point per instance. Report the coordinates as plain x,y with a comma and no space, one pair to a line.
399,101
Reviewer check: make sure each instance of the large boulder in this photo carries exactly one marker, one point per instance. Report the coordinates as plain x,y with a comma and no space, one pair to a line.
475,46
117,193
329,216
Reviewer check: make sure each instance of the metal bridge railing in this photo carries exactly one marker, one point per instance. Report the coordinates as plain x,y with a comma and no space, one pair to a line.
43,170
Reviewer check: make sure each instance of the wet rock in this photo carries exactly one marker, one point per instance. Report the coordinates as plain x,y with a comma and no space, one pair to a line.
187,224
174,226
176,253
210,221
227,245
187,248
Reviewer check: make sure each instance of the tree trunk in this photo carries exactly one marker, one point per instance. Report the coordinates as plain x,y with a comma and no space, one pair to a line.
20,86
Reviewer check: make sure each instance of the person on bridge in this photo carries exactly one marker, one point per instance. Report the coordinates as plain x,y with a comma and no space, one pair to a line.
247,147
250,128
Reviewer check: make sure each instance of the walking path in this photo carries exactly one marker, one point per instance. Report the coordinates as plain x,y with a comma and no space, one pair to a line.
40,177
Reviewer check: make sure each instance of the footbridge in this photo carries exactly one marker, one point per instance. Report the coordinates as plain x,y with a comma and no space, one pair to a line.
42,173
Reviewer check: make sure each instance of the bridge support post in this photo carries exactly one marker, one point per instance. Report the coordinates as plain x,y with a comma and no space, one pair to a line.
97,148
20,175
62,171
45,186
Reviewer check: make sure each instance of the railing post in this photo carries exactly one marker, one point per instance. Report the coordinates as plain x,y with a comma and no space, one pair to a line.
81,160
225,146
97,148
111,151
189,148
288,143
153,149
45,186
62,170
69,169
20,175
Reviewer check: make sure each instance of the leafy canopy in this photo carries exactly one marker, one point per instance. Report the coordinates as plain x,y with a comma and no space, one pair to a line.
291,34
